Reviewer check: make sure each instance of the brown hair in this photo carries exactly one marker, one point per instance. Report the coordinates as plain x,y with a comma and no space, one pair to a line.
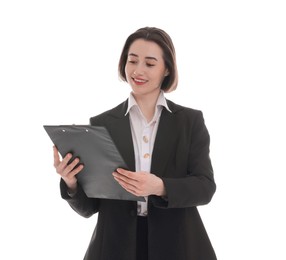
161,38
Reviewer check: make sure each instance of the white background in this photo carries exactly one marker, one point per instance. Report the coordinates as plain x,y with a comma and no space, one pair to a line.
58,65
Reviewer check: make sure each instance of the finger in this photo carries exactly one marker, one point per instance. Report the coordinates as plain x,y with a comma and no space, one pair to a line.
56,156
70,177
67,158
128,174
70,166
125,178
63,164
126,183
76,170
128,187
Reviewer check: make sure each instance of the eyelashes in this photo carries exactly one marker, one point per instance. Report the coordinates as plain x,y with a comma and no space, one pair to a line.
147,64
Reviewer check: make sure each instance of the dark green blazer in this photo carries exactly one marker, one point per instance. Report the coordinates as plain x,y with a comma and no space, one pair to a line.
181,158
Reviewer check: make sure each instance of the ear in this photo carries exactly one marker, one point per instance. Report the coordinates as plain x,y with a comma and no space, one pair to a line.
166,73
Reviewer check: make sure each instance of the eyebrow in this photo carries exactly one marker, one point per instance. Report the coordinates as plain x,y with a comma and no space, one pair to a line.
148,57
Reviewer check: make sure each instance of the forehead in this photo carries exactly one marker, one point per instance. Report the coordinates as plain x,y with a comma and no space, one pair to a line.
143,48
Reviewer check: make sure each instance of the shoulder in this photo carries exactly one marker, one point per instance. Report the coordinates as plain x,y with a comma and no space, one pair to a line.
187,117
189,120
180,110
115,112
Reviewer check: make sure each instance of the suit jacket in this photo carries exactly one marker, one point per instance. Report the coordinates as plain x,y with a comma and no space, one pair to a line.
181,158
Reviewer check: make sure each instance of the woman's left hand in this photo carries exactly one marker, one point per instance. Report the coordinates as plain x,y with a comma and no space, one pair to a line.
140,183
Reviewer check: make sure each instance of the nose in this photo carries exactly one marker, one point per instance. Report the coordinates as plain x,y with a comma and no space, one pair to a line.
138,70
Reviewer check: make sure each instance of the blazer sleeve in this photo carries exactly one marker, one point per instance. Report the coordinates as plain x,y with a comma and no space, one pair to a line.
197,187
79,202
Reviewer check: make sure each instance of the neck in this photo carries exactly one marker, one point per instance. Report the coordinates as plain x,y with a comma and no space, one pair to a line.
147,104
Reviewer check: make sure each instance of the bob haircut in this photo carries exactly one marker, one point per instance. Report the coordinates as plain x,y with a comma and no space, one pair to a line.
161,38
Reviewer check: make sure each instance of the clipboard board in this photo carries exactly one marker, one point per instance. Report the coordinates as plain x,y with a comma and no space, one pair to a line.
100,156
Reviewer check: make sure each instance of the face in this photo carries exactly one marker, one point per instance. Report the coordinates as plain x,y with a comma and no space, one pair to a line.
145,67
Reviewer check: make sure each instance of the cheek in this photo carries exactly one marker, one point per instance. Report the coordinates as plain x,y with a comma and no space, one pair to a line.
128,76
159,76
127,71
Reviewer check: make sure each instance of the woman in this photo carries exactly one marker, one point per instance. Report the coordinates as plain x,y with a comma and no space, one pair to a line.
166,147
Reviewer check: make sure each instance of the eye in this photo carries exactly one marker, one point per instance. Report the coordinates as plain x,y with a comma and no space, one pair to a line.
132,61
150,64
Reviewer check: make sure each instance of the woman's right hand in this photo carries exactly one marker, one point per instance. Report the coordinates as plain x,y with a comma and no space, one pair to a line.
67,171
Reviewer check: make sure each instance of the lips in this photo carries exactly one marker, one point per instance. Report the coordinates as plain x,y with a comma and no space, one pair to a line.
139,81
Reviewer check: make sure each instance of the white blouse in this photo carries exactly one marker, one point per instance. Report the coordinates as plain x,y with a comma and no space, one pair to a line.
143,135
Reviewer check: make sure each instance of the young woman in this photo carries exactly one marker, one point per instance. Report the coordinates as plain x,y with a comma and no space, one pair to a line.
166,147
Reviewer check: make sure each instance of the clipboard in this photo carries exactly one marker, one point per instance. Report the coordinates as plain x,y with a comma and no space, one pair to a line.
95,148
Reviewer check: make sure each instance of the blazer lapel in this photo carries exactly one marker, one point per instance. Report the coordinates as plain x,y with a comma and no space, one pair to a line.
119,129
165,142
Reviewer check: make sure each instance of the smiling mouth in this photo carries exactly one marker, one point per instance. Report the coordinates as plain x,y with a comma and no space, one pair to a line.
139,81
